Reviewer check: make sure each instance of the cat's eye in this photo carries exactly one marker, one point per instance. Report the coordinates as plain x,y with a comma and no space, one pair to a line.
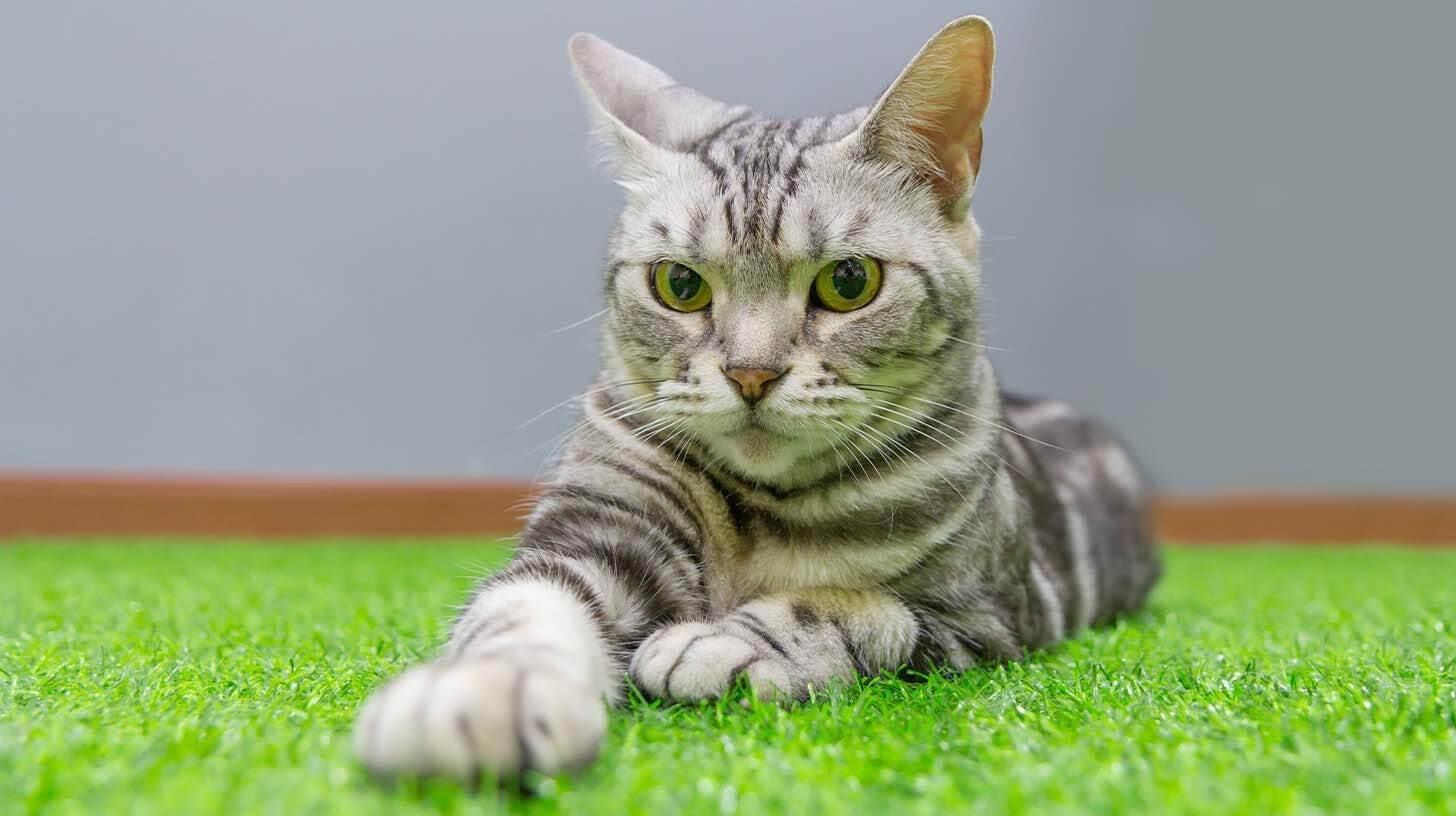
847,284
679,287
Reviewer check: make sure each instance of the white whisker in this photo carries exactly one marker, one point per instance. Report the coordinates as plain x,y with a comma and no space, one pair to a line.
582,322
974,343
593,390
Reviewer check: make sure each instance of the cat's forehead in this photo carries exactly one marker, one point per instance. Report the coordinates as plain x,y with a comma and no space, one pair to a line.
793,189
748,137
749,155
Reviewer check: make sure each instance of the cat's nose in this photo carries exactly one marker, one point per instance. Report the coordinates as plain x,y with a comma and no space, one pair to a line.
753,383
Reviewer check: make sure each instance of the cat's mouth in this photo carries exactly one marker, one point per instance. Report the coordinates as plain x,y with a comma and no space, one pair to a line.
767,442
770,446
756,424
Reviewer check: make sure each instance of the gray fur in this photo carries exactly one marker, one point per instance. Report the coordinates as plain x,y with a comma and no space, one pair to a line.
885,507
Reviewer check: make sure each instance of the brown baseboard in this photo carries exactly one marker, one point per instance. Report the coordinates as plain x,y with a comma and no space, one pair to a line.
49,504
1309,519
33,504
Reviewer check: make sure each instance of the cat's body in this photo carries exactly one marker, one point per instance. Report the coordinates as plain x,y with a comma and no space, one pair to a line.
797,466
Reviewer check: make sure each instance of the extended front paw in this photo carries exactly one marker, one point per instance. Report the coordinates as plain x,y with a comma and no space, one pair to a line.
477,718
701,661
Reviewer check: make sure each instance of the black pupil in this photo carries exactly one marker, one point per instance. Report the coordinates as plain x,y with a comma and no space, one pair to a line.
849,279
683,282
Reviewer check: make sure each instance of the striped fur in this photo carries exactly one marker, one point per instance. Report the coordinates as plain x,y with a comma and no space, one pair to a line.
885,508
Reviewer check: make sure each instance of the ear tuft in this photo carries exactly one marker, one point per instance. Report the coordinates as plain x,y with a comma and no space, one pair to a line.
930,118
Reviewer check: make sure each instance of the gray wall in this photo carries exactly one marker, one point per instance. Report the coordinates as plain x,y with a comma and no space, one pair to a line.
338,236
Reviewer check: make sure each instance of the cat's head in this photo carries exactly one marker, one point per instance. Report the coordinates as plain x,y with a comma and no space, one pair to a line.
786,295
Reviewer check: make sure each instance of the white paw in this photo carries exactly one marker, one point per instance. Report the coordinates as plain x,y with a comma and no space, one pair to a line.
700,661
475,718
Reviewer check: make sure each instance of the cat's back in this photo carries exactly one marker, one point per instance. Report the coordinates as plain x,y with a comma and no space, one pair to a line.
1089,502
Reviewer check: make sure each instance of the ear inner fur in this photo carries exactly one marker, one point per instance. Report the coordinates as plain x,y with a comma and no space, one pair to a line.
930,118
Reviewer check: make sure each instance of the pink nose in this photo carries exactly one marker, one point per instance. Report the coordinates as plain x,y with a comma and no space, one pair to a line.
752,383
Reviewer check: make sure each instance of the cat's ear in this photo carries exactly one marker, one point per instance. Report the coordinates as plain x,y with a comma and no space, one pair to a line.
930,118
636,107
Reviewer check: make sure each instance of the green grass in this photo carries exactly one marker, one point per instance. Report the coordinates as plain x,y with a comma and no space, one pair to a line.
178,678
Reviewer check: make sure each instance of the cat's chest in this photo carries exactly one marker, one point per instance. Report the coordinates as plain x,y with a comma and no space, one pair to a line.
755,554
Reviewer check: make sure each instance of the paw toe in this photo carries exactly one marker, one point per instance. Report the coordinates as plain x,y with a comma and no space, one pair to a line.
470,719
691,662
774,679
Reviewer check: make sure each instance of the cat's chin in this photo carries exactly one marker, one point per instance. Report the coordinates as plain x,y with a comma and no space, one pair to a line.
758,444
759,453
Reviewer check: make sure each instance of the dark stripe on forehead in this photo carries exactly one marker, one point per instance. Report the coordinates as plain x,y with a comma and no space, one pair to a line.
762,156
791,188
778,220
719,172
704,149
817,235
791,175
728,218
756,175
795,169
697,221
717,133
857,226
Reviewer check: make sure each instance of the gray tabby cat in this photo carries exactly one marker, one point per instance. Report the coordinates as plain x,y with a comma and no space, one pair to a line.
797,466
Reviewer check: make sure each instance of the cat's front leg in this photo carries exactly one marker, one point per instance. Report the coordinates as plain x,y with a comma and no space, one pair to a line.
521,687
785,644
542,645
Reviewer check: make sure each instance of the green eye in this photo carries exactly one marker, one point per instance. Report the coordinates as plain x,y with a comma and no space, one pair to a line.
848,284
679,287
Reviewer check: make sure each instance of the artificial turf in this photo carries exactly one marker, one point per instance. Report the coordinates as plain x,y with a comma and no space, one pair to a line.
146,677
